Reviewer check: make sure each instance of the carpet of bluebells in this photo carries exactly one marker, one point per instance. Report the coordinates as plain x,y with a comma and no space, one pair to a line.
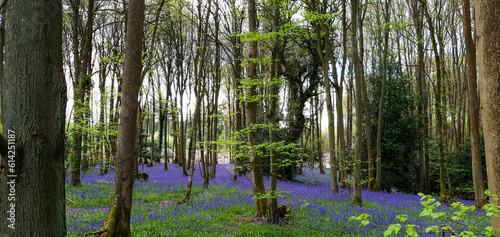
214,211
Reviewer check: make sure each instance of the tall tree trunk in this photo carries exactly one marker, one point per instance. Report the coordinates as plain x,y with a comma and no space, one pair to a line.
34,108
120,207
427,131
477,167
251,117
102,99
385,71
318,137
349,133
167,135
153,114
358,68
215,97
438,105
199,62
340,112
364,92
322,28
77,137
238,111
271,117
417,15
488,32
181,142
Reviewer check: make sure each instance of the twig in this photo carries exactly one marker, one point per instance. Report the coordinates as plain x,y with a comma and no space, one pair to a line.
67,199
450,230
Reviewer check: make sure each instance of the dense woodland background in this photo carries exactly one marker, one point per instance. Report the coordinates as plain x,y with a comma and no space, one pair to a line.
383,93
195,53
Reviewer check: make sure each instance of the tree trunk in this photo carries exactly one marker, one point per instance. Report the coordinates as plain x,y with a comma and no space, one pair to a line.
271,117
364,93
77,97
358,68
325,57
199,62
488,32
34,108
377,185
475,144
118,221
318,137
438,105
340,112
153,114
237,101
251,117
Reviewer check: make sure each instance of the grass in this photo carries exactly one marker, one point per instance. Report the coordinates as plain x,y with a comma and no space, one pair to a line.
215,211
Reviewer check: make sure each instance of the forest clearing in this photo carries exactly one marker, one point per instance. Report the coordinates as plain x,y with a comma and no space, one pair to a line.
285,118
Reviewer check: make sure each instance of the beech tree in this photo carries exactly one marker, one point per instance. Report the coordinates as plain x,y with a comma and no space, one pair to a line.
488,33
477,169
358,68
120,207
259,191
34,108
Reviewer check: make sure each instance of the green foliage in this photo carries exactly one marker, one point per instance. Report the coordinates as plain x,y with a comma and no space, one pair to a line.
430,211
400,164
363,218
460,165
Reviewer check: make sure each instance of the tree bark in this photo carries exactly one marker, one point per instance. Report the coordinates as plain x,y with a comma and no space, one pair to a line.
251,117
118,221
378,178
199,62
438,104
34,108
321,28
488,33
77,97
339,89
475,144
358,68
271,117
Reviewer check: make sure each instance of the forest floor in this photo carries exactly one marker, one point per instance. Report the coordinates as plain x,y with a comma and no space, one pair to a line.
219,209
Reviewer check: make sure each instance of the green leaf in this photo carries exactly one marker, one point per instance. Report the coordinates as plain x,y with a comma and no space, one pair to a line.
402,218
365,222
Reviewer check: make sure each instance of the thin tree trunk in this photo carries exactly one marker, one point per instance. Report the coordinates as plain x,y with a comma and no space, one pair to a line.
340,112
417,15
118,221
477,169
366,102
271,117
385,71
152,126
358,67
437,104
198,75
